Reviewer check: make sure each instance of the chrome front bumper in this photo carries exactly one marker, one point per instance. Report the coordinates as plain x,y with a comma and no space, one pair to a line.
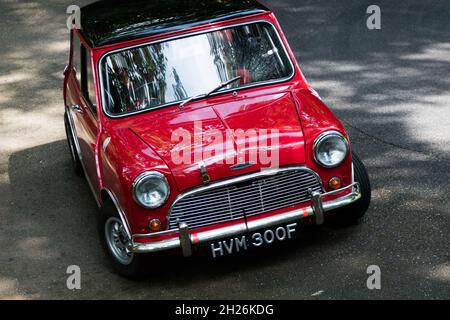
186,239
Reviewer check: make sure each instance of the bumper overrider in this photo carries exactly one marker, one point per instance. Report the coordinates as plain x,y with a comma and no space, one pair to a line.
186,238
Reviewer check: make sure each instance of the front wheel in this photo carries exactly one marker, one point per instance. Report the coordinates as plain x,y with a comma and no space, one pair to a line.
352,213
115,240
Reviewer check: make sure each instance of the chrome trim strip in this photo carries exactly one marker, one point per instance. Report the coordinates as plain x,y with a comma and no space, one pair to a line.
77,148
122,214
229,231
343,201
106,143
286,217
135,247
241,166
153,234
200,237
353,173
259,84
239,179
252,225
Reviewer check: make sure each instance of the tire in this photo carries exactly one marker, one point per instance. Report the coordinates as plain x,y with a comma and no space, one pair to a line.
352,213
129,265
76,162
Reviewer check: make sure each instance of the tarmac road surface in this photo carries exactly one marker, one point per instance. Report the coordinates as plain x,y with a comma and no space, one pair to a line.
389,86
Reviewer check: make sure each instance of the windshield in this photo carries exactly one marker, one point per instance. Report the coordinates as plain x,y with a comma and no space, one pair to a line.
170,72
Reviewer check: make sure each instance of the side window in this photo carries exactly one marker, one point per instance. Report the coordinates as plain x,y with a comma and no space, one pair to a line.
87,79
76,56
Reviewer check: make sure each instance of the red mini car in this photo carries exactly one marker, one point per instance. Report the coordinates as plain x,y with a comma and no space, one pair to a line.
195,128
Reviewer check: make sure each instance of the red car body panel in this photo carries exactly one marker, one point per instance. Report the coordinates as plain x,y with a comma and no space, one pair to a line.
116,151
241,113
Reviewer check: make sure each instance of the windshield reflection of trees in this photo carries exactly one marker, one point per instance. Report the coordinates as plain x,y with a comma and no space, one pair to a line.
146,77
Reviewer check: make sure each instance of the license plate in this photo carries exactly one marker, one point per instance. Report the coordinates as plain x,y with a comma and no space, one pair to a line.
254,240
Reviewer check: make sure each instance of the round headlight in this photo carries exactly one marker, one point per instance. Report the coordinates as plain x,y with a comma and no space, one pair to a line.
330,149
151,190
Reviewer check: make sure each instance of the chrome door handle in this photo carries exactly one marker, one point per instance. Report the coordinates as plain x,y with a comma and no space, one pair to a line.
76,108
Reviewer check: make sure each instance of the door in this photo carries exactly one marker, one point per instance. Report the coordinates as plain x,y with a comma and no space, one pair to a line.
82,109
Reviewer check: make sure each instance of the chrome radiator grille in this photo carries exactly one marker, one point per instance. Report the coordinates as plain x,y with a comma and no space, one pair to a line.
259,195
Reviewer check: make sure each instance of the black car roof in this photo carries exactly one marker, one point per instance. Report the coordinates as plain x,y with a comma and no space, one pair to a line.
111,21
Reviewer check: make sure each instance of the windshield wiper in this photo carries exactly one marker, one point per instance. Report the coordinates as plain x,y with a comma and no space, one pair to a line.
205,95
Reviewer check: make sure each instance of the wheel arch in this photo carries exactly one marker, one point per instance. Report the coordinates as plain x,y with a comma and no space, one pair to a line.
108,195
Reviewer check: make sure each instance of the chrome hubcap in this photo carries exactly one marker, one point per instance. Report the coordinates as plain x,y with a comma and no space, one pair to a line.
117,239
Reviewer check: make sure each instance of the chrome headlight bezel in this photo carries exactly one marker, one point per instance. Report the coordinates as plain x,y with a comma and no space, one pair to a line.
324,137
142,178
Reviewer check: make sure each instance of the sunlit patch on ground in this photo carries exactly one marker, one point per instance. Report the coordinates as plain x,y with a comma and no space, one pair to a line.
391,89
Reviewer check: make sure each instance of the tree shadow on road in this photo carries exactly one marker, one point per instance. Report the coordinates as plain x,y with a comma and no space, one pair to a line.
51,224
389,86
390,83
